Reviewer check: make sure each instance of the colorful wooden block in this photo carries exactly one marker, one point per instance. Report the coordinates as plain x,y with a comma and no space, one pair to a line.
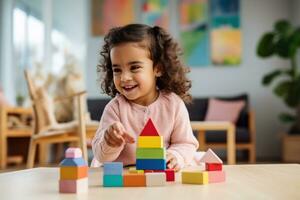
133,170
155,179
112,180
194,177
213,166
170,175
149,129
216,176
151,164
210,157
113,168
150,142
79,162
73,173
73,186
134,180
151,153
73,152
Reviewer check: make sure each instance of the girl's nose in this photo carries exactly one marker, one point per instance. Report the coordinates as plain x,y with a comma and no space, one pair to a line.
126,76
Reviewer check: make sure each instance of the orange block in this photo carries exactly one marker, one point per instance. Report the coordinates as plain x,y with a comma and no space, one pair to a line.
134,180
73,173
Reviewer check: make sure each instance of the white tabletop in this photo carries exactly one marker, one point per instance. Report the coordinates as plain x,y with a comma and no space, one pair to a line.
281,181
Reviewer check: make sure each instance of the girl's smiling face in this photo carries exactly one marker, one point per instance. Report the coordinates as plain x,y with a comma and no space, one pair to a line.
133,73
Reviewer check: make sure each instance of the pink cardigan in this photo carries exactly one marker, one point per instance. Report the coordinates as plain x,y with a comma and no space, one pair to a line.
169,116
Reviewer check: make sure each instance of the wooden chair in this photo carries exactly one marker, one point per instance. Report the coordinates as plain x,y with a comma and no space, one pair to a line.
46,129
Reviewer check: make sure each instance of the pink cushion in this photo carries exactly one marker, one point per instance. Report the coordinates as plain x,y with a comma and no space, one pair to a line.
219,110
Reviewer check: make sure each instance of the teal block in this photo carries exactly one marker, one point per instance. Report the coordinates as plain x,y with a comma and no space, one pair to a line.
112,181
78,162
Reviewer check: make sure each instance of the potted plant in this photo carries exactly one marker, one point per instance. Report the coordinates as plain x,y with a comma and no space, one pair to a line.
284,41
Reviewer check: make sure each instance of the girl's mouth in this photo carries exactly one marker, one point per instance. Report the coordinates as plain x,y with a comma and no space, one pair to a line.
129,88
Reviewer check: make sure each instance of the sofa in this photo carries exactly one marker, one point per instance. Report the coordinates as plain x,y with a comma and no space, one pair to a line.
245,126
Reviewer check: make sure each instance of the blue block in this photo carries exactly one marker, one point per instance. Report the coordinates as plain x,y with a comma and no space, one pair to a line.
113,168
151,164
79,162
112,180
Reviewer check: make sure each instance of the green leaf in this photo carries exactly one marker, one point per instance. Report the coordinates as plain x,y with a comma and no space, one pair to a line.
283,27
282,47
292,99
287,118
266,47
282,89
267,79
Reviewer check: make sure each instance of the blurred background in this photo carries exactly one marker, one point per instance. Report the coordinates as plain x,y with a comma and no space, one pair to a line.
59,42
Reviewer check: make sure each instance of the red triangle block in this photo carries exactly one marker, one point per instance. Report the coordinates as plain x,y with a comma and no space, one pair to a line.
149,129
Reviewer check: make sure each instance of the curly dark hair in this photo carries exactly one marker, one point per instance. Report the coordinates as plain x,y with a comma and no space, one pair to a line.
164,52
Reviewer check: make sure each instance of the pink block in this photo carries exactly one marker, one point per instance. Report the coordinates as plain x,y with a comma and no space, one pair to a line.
73,186
73,152
216,176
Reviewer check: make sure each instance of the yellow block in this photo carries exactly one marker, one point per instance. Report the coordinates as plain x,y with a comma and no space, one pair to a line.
194,177
73,173
150,142
133,170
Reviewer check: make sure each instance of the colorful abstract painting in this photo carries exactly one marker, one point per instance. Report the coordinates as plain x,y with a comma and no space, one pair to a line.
194,33
226,44
111,13
155,12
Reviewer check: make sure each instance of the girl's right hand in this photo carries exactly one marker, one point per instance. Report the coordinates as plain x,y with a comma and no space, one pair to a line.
116,135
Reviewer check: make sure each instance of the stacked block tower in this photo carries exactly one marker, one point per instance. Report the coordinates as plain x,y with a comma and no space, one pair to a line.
212,174
73,172
213,166
150,152
113,174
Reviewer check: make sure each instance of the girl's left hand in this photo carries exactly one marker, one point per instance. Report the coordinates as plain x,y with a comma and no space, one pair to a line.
172,162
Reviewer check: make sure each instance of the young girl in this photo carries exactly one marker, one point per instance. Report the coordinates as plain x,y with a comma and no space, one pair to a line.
142,71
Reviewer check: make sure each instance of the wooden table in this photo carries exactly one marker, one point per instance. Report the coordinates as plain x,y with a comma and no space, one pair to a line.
281,181
229,127
6,133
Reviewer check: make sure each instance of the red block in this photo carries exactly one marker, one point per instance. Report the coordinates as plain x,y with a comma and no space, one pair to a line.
213,166
170,174
149,129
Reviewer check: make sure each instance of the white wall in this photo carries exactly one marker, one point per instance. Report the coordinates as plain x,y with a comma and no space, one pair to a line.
257,17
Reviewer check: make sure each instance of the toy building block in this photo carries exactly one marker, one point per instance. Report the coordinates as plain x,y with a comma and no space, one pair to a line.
151,153
151,164
133,170
75,162
155,179
134,180
210,157
150,142
112,180
73,152
73,186
213,167
113,168
170,175
194,177
149,129
73,173
216,176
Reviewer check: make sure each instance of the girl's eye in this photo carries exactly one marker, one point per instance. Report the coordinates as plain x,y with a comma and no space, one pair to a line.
135,67
116,70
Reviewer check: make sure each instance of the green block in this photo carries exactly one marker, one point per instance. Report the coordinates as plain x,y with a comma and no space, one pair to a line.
112,180
150,153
